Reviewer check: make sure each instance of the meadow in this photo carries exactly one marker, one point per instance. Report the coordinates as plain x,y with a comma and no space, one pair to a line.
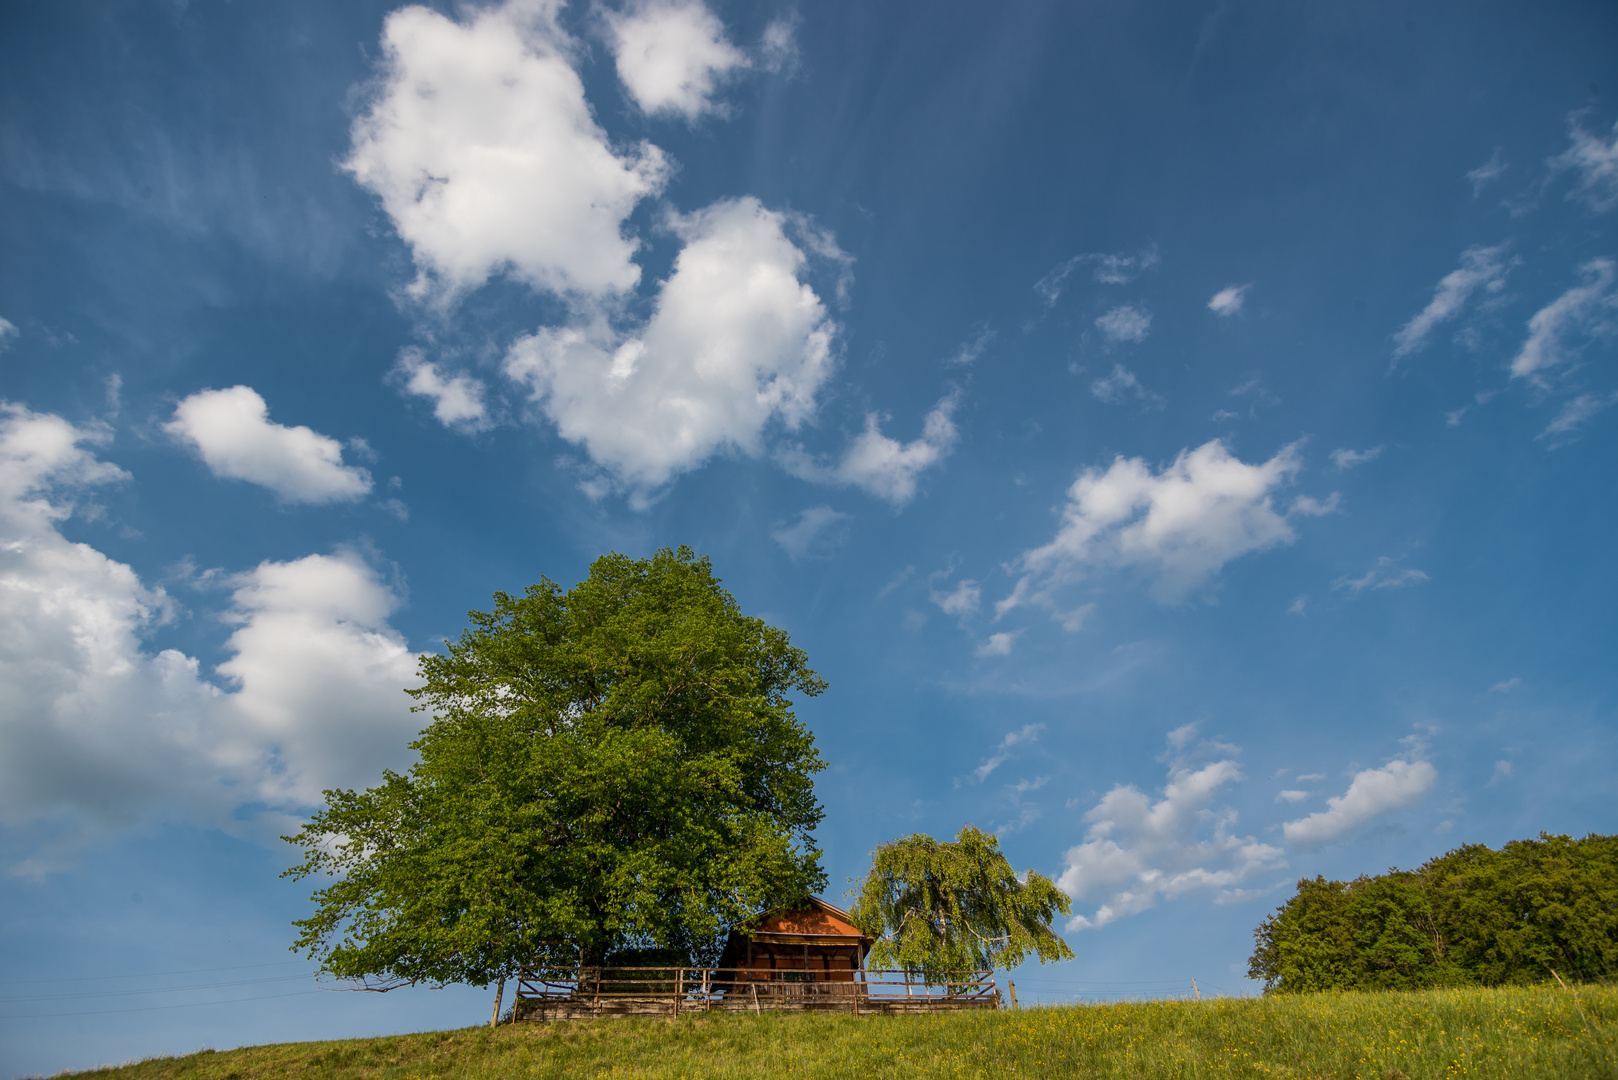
1524,1032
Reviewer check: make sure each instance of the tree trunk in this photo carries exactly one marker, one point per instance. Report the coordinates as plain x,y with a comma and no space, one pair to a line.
498,995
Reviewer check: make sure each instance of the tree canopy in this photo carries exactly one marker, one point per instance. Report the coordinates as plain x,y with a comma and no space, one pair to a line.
936,906
612,767
1473,916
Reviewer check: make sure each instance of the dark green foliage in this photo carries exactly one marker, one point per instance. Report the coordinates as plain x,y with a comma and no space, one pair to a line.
1473,916
935,906
609,768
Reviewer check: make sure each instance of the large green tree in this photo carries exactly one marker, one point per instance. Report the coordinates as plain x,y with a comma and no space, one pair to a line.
612,767
1473,916
935,906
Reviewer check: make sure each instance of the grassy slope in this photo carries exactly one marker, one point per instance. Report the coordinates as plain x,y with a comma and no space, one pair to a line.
1534,1032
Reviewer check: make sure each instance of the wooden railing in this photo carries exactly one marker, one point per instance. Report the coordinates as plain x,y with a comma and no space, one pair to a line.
566,993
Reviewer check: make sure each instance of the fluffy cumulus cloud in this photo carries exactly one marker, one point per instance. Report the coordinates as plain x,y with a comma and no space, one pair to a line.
1481,268
1557,331
1372,793
1229,300
1127,322
98,731
232,432
1594,163
458,400
736,340
880,464
818,530
1138,850
1181,524
672,55
484,153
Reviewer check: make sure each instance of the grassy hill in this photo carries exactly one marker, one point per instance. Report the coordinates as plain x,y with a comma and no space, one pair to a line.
1534,1032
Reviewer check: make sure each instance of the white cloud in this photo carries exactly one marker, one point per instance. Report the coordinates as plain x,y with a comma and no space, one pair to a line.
1505,687
486,157
1311,777
1596,163
1122,383
1502,771
1109,269
999,644
1137,851
1347,459
972,347
881,465
1229,300
1487,173
962,600
1127,322
672,55
1370,794
457,400
1381,576
98,732
736,340
1575,413
1582,310
813,535
1481,267
8,331
1291,796
1183,524
232,432
1002,753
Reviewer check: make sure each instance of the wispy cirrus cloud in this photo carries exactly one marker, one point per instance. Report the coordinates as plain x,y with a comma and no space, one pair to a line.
1118,268
1482,268
1593,159
1558,331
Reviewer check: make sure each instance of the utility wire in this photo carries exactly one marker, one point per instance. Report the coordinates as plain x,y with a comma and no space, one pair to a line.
152,990
149,974
154,1008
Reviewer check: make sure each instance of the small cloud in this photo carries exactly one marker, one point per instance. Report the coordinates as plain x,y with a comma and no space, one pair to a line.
1502,773
1575,413
1485,174
1121,384
457,399
963,600
813,536
1309,506
1381,576
1314,777
231,432
396,508
1298,605
881,465
1347,459
999,644
8,333
1595,160
913,620
1127,322
972,347
1505,687
1583,311
1372,793
1023,787
778,46
1291,796
1108,269
895,581
1481,268
1181,736
1029,733
1228,301
672,55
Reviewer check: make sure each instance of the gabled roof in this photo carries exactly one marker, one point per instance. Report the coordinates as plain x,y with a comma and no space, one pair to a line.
818,920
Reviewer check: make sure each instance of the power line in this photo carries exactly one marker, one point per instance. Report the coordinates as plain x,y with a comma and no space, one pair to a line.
150,974
152,990
154,1008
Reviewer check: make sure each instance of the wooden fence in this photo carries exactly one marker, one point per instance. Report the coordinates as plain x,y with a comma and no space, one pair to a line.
570,994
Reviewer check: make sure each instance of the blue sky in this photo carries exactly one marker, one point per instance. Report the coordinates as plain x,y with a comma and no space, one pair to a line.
1182,435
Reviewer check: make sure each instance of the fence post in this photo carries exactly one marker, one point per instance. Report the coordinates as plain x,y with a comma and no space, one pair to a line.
1013,988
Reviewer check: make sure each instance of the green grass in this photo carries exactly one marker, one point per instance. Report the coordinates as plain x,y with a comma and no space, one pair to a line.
1539,1032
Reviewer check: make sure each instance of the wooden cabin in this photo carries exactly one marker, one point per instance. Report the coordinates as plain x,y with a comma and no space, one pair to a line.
815,943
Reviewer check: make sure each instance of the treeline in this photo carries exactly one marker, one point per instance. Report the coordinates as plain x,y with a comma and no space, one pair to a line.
1471,917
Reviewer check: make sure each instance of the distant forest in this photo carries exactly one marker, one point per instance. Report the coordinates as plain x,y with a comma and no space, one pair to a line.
1471,917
